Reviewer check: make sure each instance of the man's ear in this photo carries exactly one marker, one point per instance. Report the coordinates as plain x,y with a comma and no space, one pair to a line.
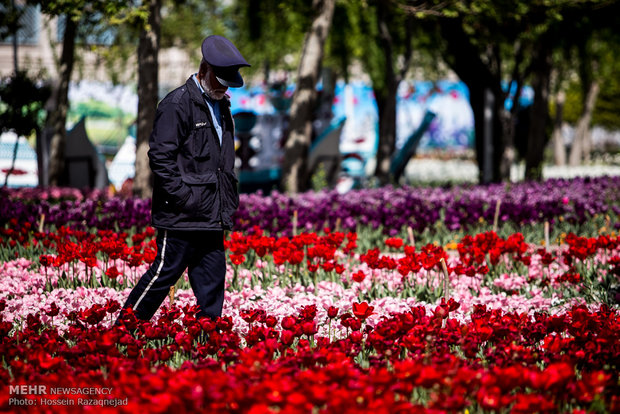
203,69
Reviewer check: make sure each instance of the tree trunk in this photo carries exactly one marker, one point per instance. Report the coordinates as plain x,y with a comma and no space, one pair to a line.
14,30
387,130
13,159
464,59
509,118
295,165
57,118
386,100
580,150
498,137
476,100
587,146
539,115
559,151
148,49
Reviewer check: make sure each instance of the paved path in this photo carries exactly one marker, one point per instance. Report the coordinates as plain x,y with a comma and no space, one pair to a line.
432,170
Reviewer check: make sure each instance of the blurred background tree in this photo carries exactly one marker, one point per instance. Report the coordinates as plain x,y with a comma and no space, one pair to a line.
496,47
561,49
80,18
22,100
593,96
148,95
10,15
22,96
384,45
297,145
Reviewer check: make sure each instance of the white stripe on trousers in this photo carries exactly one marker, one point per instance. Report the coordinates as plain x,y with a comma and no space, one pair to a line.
161,264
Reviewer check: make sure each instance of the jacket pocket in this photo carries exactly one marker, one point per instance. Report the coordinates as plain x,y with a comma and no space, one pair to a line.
199,142
204,190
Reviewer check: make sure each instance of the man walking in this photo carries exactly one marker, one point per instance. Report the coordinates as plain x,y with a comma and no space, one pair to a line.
192,156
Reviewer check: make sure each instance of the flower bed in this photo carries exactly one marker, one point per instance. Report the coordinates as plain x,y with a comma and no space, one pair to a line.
394,209
560,202
324,320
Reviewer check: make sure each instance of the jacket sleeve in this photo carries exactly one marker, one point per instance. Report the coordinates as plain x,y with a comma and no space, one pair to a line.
169,130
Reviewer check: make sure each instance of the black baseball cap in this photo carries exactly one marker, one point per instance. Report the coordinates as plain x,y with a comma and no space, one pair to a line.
225,60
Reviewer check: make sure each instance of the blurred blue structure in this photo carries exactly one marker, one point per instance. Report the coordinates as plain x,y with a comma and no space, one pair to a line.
355,112
261,117
402,157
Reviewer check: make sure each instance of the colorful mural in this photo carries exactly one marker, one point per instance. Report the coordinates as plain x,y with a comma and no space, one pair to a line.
111,110
453,125
452,129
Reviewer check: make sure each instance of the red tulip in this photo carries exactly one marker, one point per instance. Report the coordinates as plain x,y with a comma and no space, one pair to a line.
394,242
288,322
112,272
309,328
287,337
237,259
362,310
358,276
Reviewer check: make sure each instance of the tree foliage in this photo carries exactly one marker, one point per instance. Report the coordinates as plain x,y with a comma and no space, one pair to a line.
606,112
603,48
488,43
81,18
185,23
491,43
271,32
21,102
9,19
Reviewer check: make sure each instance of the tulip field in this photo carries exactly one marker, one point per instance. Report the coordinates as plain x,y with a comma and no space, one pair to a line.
465,299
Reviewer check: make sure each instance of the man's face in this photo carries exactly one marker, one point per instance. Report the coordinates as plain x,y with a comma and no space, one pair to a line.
213,88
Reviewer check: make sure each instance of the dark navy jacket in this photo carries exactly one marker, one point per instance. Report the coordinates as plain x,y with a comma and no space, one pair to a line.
195,187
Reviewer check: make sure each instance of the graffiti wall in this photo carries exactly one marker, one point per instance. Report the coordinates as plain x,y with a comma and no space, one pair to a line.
110,113
452,129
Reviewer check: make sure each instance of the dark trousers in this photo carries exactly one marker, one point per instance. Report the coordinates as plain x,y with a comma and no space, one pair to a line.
202,253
